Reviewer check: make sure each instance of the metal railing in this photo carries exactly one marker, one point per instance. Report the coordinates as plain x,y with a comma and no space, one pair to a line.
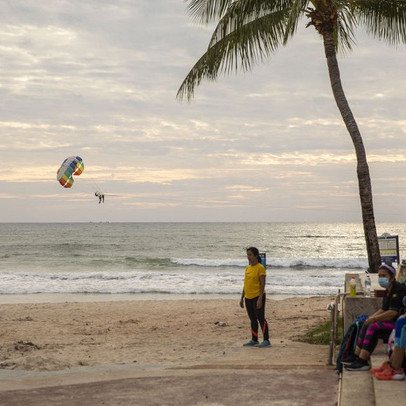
334,308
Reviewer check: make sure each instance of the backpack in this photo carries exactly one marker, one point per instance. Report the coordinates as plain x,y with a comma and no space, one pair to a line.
349,343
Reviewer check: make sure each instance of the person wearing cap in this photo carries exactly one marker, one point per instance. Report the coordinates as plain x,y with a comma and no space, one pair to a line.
381,323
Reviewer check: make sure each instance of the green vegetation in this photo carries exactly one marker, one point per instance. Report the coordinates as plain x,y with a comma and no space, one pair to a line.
321,334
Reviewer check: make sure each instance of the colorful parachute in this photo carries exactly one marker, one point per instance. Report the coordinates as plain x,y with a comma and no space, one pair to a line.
70,166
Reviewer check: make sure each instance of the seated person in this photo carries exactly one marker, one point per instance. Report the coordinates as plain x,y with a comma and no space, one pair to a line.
380,323
392,370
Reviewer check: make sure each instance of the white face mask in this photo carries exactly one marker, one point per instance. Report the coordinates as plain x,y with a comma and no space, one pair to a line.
402,279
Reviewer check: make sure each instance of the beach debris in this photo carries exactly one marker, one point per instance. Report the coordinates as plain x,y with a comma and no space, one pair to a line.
24,346
87,341
129,321
8,365
28,318
221,323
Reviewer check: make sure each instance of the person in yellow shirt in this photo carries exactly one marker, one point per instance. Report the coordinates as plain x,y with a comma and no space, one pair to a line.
254,295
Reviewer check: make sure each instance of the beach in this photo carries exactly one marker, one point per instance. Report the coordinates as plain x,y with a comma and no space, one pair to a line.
129,314
169,333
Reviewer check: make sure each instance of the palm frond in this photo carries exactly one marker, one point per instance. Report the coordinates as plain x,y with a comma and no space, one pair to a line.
205,11
384,19
241,48
246,11
345,30
297,10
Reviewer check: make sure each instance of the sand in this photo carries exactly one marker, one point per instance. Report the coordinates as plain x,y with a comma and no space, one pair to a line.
59,336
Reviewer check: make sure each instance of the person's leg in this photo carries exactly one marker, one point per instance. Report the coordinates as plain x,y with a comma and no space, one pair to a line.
371,337
397,357
260,313
400,344
360,339
396,360
394,372
399,328
250,305
368,345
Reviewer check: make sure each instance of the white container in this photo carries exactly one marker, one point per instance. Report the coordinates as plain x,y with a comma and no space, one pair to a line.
367,286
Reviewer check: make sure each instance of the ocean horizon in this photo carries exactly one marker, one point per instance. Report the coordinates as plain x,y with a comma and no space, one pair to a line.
198,258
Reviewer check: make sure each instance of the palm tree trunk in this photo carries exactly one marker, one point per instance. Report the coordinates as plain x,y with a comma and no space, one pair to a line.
364,180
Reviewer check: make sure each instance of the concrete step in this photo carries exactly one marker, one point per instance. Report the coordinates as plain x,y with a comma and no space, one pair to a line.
387,392
357,388
363,389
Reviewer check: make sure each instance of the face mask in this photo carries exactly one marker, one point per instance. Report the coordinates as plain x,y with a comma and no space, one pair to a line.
383,282
402,279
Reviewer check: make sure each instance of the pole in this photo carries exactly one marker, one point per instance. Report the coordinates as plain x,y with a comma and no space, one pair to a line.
331,307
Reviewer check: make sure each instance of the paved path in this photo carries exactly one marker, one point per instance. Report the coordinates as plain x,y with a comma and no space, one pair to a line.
293,374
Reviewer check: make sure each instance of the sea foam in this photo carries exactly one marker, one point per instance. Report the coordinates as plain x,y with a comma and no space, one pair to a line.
352,263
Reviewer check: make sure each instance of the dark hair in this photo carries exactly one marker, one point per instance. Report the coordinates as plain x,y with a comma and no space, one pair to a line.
255,251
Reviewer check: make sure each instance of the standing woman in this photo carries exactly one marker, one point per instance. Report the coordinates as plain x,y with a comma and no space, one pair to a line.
254,294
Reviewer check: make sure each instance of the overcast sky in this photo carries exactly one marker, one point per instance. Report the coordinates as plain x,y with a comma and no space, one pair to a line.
98,79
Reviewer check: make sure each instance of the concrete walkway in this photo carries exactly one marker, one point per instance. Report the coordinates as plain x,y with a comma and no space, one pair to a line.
362,389
286,374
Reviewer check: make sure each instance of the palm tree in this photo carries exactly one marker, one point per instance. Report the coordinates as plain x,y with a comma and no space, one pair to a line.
248,31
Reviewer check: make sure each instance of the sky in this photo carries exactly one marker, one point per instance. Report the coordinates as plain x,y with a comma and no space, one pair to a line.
98,79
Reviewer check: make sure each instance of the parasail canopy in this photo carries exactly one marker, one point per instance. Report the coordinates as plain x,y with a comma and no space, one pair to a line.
70,166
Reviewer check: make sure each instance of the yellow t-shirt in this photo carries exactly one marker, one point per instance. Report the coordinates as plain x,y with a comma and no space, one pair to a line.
252,284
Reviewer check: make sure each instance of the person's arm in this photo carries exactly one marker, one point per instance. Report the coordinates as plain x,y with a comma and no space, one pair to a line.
382,315
242,299
391,307
377,313
262,279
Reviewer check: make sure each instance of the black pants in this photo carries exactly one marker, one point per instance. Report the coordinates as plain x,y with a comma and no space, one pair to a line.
257,315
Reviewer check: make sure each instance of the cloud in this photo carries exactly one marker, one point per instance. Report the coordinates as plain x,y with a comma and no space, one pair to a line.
246,188
319,159
98,79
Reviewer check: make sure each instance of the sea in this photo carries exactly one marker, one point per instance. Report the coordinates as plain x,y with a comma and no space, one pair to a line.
179,258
